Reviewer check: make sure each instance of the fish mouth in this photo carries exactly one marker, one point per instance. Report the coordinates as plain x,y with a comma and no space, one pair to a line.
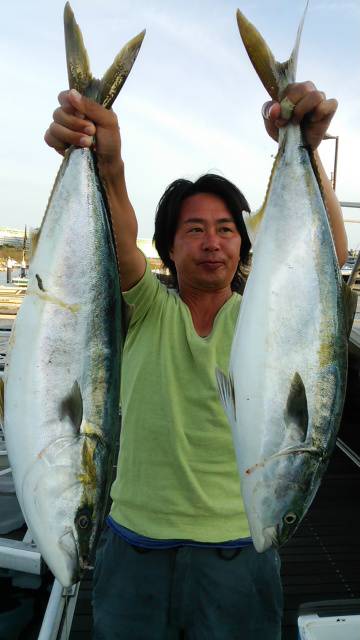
265,538
276,535
65,563
271,537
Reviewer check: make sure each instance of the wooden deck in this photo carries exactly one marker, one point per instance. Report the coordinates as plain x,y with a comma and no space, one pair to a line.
322,560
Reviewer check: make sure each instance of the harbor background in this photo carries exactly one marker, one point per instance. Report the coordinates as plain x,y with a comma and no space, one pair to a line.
192,103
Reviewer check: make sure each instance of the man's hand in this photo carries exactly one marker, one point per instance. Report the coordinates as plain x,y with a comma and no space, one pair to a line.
82,122
311,109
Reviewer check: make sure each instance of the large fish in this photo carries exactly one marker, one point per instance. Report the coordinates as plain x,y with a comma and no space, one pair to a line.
285,391
63,366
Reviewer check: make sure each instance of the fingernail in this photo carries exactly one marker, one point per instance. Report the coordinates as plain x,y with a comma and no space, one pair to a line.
86,141
89,130
270,109
76,94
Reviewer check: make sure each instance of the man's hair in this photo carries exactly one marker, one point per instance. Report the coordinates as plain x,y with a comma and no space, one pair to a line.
168,213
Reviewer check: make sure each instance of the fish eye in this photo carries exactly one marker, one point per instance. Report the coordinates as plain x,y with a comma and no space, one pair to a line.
290,518
83,520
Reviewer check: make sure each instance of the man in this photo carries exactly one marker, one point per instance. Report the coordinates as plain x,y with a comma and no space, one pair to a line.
176,560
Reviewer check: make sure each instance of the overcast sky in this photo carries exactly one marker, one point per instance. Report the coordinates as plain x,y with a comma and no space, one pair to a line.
192,102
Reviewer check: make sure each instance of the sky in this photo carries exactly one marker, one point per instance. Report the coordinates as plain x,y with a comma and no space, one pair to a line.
192,102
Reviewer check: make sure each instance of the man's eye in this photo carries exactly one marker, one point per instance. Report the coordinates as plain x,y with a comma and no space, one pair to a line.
226,230
195,230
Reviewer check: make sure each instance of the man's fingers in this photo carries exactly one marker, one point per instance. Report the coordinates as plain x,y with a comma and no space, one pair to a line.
324,111
54,143
301,102
270,112
73,122
270,109
89,109
307,105
66,104
61,137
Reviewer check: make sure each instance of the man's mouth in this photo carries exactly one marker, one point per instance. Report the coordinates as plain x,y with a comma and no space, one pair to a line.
211,264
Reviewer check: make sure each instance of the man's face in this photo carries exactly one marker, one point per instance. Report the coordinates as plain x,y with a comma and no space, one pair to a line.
206,247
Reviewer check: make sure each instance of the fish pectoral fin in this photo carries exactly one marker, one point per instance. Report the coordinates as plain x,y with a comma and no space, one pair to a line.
227,395
296,414
1,402
72,407
296,449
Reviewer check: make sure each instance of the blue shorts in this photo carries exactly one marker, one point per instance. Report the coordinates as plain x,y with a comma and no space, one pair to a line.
192,593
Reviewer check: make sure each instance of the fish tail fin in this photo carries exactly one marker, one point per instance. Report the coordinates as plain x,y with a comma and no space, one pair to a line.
227,396
274,75
117,73
80,77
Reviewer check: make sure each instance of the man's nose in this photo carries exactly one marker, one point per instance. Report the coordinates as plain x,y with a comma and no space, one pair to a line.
211,241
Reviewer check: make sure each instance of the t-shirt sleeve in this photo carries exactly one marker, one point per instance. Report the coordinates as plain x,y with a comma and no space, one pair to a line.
143,295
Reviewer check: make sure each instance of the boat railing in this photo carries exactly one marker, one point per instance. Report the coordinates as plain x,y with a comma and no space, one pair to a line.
350,453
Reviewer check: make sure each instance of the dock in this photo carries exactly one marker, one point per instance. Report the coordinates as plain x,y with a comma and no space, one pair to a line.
320,563
354,342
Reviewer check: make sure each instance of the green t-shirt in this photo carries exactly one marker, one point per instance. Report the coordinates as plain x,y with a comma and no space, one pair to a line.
177,474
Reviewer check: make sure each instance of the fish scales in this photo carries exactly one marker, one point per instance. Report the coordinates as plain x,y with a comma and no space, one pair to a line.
62,376
285,392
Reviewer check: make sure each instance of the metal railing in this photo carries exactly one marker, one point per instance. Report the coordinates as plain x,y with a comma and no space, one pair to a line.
354,457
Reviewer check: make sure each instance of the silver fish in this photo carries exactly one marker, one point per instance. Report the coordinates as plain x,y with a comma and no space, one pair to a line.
62,376
285,392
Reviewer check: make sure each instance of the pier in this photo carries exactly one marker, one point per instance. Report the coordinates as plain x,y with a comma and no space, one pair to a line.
320,563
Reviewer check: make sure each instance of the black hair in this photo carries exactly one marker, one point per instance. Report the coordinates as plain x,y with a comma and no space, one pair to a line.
168,213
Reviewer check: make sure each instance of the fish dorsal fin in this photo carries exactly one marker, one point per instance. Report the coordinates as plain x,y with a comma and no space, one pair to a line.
350,300
34,239
72,406
253,223
296,414
1,401
227,395
80,76
254,220
274,75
